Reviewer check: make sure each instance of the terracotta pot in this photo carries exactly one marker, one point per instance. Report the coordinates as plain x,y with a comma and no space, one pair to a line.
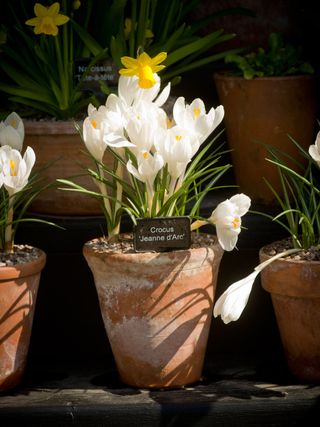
157,310
60,142
295,291
18,292
265,110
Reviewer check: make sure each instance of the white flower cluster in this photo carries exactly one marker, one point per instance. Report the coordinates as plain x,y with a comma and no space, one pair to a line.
134,119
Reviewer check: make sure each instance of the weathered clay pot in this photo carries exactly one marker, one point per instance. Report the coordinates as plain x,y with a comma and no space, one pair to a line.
295,291
60,142
260,111
18,292
157,310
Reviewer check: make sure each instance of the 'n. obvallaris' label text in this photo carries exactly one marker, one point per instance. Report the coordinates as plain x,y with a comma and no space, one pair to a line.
162,234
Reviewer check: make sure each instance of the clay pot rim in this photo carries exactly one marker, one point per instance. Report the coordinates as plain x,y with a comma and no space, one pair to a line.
177,253
24,269
285,260
224,76
51,127
290,277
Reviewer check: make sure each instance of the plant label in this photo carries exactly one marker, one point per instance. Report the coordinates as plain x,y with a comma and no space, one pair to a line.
104,71
162,234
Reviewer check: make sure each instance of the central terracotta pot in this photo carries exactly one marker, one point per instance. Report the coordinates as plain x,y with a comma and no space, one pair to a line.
157,311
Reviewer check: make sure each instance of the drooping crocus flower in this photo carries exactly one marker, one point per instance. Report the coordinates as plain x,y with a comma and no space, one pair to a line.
12,131
15,168
314,150
227,219
144,67
47,19
232,302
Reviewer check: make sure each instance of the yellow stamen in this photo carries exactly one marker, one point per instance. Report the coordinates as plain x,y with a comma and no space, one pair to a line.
236,222
169,123
145,155
196,112
12,168
94,123
13,123
178,137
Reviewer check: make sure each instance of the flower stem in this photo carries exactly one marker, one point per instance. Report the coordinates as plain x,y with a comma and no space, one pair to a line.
277,256
8,232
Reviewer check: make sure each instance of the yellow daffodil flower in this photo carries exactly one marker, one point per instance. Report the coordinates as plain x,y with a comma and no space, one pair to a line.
143,67
47,19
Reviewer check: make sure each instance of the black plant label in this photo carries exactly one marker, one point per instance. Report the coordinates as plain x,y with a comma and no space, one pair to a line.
162,234
90,78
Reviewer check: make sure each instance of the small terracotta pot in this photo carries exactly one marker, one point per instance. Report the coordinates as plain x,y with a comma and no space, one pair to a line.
60,143
18,292
157,311
295,291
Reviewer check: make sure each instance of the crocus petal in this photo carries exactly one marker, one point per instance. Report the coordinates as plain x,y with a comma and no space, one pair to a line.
10,136
314,150
242,201
227,238
164,95
15,121
227,219
30,158
232,302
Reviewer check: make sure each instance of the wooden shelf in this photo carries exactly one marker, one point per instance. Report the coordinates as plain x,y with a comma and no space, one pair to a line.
229,395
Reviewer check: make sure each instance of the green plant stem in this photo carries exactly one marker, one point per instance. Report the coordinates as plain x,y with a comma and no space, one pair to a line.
8,232
63,83
119,173
104,192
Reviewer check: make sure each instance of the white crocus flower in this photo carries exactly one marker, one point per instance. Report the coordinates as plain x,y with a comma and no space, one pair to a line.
148,167
227,219
15,168
103,127
314,150
177,147
144,122
12,131
233,301
130,91
194,117
93,134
